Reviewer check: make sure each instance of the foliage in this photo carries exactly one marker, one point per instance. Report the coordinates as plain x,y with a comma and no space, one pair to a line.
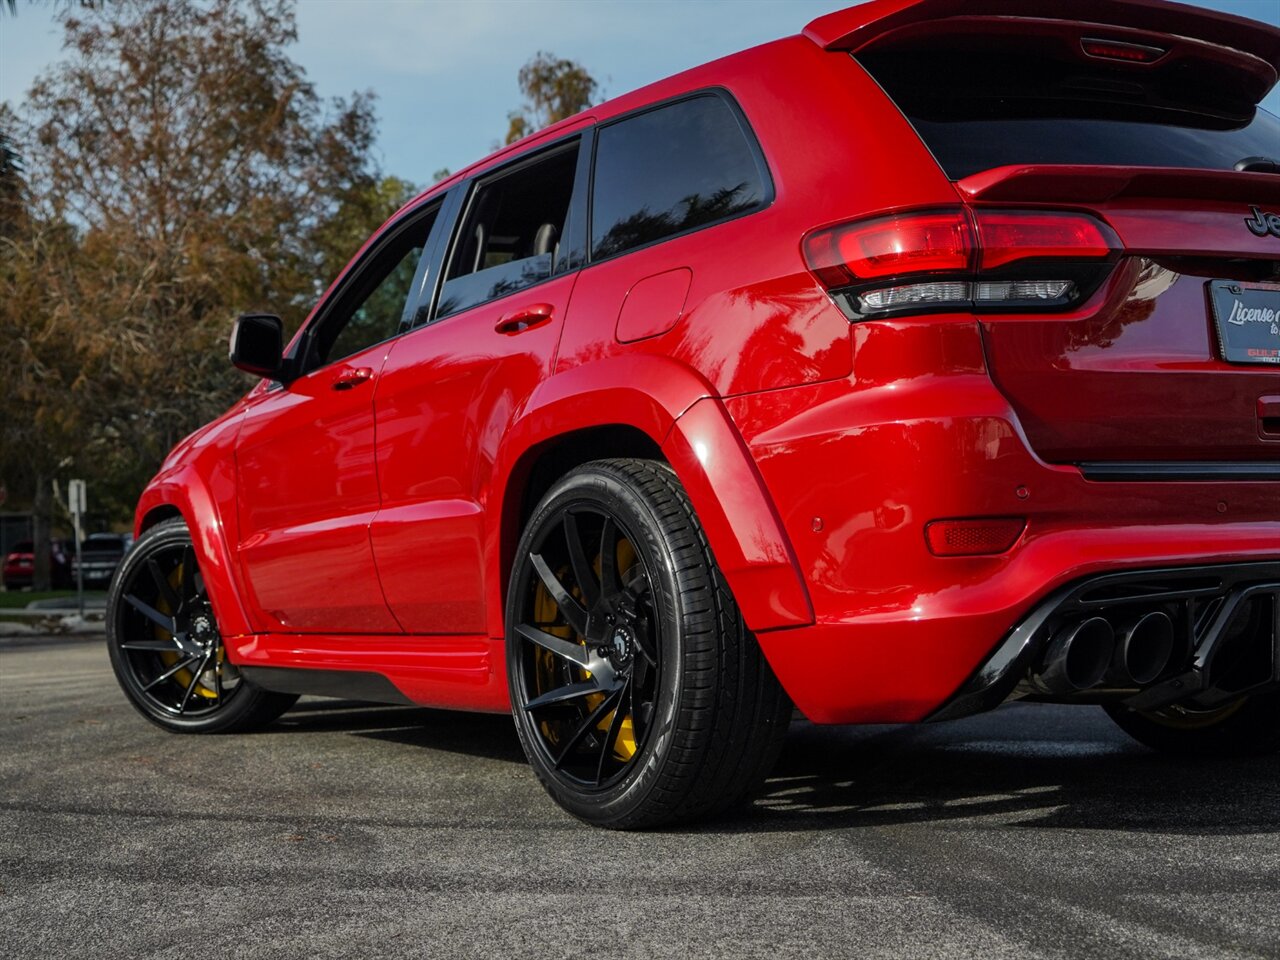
181,169
553,90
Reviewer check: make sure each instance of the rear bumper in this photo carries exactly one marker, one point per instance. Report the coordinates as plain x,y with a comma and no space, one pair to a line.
857,468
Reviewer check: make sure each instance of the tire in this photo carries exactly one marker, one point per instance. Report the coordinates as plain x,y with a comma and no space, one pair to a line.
165,648
1249,727
640,697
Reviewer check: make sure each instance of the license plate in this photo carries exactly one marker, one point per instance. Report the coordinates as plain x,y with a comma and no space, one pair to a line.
1247,317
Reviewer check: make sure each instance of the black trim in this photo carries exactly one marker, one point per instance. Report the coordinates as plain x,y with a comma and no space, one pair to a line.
424,302
1013,658
573,255
1160,471
342,684
753,144
427,280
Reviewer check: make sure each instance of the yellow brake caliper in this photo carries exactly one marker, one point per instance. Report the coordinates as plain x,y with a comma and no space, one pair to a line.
169,658
544,612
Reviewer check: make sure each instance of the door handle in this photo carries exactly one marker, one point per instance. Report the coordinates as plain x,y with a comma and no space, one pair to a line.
524,318
353,378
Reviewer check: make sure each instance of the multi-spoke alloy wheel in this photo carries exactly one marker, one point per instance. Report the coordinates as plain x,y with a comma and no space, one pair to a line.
639,696
165,646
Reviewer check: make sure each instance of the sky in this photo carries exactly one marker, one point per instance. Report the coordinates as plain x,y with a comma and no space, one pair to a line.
444,71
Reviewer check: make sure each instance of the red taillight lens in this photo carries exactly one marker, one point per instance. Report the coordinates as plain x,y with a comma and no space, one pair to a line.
945,242
954,259
973,537
891,246
1006,236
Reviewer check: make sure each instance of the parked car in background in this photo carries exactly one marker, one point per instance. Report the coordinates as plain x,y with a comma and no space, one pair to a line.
19,565
920,361
100,554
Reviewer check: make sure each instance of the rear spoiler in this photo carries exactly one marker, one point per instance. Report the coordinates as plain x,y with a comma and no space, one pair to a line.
1067,183
1253,47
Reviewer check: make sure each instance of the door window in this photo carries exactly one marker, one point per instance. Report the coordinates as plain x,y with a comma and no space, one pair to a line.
372,305
512,232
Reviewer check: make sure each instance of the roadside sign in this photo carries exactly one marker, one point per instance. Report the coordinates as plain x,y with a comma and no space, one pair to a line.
76,501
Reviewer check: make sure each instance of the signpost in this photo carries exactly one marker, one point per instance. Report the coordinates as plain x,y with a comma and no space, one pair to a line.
76,502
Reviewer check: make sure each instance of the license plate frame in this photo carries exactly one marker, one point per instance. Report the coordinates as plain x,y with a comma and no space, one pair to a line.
1246,319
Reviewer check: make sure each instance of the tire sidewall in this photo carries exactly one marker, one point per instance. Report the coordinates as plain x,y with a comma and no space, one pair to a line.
164,535
598,487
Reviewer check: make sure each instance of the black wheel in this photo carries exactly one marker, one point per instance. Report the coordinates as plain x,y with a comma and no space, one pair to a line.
639,696
1249,726
165,647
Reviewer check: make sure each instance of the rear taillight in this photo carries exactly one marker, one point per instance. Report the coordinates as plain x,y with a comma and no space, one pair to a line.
1005,237
890,247
960,259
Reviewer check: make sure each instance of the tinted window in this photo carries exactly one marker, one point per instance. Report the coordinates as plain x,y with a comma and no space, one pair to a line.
976,113
669,170
369,310
512,232
112,545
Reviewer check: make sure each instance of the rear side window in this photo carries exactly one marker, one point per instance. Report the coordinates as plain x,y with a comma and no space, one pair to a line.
512,232
978,111
669,170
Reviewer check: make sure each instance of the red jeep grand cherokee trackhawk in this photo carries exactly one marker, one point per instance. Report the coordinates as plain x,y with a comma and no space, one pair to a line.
924,360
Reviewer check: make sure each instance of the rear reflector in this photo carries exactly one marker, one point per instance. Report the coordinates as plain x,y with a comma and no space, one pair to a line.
973,537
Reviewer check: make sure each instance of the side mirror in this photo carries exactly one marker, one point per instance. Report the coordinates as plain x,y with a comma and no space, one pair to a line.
257,344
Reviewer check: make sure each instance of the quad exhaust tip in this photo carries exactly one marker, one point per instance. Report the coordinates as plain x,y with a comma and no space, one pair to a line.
1079,656
1143,649
1135,651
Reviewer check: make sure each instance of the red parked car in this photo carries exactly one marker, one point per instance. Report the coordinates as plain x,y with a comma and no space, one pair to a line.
20,565
921,361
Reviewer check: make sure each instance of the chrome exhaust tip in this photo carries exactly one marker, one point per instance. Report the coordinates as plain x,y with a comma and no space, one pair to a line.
1078,656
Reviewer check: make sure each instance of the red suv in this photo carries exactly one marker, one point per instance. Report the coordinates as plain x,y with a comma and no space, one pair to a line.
924,360
20,565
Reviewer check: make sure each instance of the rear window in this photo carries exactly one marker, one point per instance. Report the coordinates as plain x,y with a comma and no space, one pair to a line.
670,170
976,112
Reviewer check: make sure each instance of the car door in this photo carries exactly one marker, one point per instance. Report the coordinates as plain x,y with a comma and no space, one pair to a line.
452,386
305,468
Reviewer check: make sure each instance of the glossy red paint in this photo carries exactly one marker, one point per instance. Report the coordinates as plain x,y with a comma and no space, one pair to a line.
443,409
308,490
363,517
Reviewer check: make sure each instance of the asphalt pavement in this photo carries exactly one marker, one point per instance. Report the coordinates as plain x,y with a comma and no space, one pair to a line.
355,831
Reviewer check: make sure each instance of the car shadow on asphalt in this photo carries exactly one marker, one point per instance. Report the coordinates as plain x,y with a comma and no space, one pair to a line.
488,735
1081,774
838,777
